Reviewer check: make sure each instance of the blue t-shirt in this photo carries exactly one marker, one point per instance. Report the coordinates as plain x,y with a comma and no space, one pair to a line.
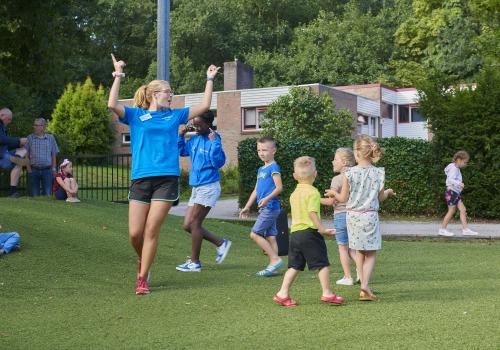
153,140
265,184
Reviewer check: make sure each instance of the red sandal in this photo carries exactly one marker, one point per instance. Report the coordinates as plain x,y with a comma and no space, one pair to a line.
334,299
286,302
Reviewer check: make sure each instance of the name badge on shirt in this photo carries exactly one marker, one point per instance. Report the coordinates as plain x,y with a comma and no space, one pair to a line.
145,117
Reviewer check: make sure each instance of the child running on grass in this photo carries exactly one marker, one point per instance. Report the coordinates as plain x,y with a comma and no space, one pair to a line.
266,191
363,189
344,158
207,157
454,187
307,244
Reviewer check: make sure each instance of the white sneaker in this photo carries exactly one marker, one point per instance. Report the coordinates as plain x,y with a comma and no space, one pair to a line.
222,251
469,232
189,266
445,232
346,281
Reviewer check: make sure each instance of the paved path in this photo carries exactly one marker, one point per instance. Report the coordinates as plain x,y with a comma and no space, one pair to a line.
228,209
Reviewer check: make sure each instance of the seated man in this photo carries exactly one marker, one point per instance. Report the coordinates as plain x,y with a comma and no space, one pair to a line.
11,155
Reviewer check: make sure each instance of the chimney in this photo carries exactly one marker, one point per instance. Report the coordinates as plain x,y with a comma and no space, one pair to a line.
237,75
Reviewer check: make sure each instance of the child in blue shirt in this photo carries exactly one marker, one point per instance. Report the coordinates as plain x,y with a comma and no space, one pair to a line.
266,191
207,156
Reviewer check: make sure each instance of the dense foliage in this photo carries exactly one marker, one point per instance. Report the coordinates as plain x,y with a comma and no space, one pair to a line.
468,118
46,45
82,121
413,169
301,114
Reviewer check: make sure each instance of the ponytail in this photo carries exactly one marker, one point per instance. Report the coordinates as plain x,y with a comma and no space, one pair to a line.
140,98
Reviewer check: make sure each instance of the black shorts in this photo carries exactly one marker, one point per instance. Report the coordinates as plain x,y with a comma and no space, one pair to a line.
155,188
307,246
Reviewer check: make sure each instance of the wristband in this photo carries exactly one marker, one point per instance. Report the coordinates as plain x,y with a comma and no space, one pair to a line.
210,78
118,74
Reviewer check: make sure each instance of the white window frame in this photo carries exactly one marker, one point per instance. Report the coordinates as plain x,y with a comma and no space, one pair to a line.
124,138
258,111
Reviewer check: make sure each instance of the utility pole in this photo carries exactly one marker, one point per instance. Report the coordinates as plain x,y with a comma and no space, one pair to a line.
163,41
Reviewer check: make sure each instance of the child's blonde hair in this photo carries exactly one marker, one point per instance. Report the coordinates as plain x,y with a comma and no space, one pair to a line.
144,95
347,156
304,167
367,148
463,155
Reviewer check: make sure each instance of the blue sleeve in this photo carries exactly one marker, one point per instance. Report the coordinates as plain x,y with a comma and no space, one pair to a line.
181,145
10,142
217,155
129,112
9,241
182,115
275,169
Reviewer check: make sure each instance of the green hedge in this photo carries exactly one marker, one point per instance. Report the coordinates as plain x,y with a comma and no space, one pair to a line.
412,168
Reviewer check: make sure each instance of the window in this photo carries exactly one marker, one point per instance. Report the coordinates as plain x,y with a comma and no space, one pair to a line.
387,110
252,118
404,114
416,116
373,127
126,139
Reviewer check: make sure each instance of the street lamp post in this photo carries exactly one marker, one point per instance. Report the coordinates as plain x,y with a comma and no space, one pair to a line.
163,41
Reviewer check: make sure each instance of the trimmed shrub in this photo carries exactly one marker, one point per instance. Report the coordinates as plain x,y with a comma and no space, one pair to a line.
468,119
410,167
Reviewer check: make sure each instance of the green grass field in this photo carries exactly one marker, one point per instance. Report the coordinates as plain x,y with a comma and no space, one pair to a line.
72,287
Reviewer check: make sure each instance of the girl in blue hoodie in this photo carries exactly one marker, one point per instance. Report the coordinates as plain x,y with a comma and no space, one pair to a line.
207,156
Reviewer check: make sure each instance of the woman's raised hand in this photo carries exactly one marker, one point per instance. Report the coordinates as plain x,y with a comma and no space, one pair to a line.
212,71
118,64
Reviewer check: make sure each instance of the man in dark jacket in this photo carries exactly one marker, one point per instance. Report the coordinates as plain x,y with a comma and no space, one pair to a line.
11,153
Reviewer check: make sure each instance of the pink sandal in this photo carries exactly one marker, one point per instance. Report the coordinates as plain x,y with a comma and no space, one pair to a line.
286,302
334,299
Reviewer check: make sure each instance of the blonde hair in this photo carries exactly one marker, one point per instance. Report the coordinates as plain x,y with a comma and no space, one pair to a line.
304,167
144,95
367,148
463,155
347,156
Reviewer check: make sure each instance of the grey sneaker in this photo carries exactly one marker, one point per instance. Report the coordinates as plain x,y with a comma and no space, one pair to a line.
14,195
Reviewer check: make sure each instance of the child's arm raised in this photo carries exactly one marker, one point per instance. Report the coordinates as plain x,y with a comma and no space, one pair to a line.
253,196
321,229
327,201
277,190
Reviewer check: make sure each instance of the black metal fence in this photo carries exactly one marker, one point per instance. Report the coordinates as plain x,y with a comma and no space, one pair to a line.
101,177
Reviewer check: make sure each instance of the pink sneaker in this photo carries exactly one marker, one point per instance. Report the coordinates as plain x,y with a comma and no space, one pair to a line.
142,287
148,279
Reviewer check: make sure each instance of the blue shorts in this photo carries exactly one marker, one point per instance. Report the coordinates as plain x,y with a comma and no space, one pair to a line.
206,195
5,162
265,225
340,225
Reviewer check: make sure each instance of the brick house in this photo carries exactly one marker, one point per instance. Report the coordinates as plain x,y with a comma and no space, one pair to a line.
378,110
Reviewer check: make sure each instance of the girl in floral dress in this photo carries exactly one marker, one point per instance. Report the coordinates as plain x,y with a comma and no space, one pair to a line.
363,189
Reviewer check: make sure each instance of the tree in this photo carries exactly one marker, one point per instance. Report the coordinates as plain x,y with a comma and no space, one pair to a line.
81,120
441,37
304,115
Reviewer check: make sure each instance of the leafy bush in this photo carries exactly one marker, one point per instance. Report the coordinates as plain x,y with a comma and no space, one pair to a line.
81,120
468,119
304,115
410,167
